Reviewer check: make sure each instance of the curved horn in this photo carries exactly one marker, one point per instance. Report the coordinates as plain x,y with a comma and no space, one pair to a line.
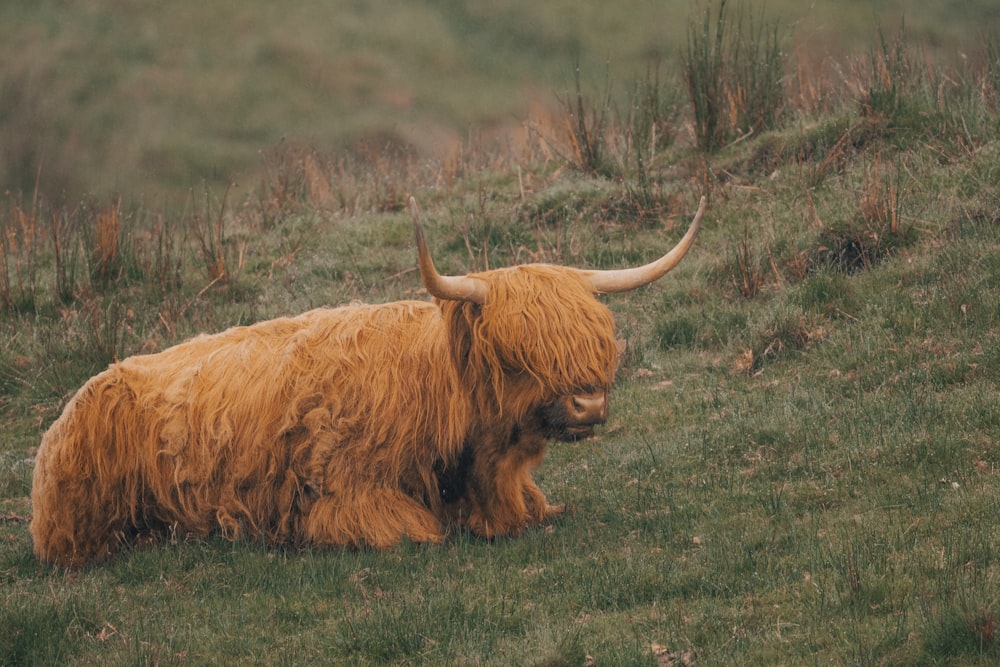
622,280
454,288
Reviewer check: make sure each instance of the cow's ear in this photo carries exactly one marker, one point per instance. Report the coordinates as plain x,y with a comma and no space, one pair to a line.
460,316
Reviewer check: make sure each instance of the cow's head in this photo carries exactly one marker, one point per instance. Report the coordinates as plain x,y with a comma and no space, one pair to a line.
537,336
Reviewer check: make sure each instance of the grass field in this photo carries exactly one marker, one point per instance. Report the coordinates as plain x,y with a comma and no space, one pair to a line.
801,463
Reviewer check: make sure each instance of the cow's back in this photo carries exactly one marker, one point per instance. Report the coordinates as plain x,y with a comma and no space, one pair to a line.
239,431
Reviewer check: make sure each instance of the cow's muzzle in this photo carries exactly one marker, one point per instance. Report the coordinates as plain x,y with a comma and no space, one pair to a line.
574,416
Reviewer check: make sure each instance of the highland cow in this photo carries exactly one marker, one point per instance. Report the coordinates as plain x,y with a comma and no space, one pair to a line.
355,426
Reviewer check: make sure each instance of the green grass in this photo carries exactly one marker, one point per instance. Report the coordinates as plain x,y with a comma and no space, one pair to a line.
801,464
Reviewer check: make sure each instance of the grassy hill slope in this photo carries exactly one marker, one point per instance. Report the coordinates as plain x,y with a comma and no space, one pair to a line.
150,102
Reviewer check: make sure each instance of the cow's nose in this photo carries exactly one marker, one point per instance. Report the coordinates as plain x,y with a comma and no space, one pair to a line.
589,408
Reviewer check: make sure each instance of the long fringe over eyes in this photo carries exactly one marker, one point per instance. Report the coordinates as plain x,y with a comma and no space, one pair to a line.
539,321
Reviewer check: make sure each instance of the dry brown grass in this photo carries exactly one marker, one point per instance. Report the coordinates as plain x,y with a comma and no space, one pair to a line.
108,230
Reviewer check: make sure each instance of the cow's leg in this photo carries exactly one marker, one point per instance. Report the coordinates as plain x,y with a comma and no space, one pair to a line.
504,498
378,517
539,509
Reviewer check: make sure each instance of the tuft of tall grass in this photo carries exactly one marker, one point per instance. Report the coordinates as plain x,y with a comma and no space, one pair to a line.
6,257
651,128
891,75
653,113
209,228
734,73
65,254
20,248
991,75
756,85
107,257
749,269
875,231
704,74
587,124
880,196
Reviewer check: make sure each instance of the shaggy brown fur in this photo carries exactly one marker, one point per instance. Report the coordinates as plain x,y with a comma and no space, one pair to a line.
346,426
